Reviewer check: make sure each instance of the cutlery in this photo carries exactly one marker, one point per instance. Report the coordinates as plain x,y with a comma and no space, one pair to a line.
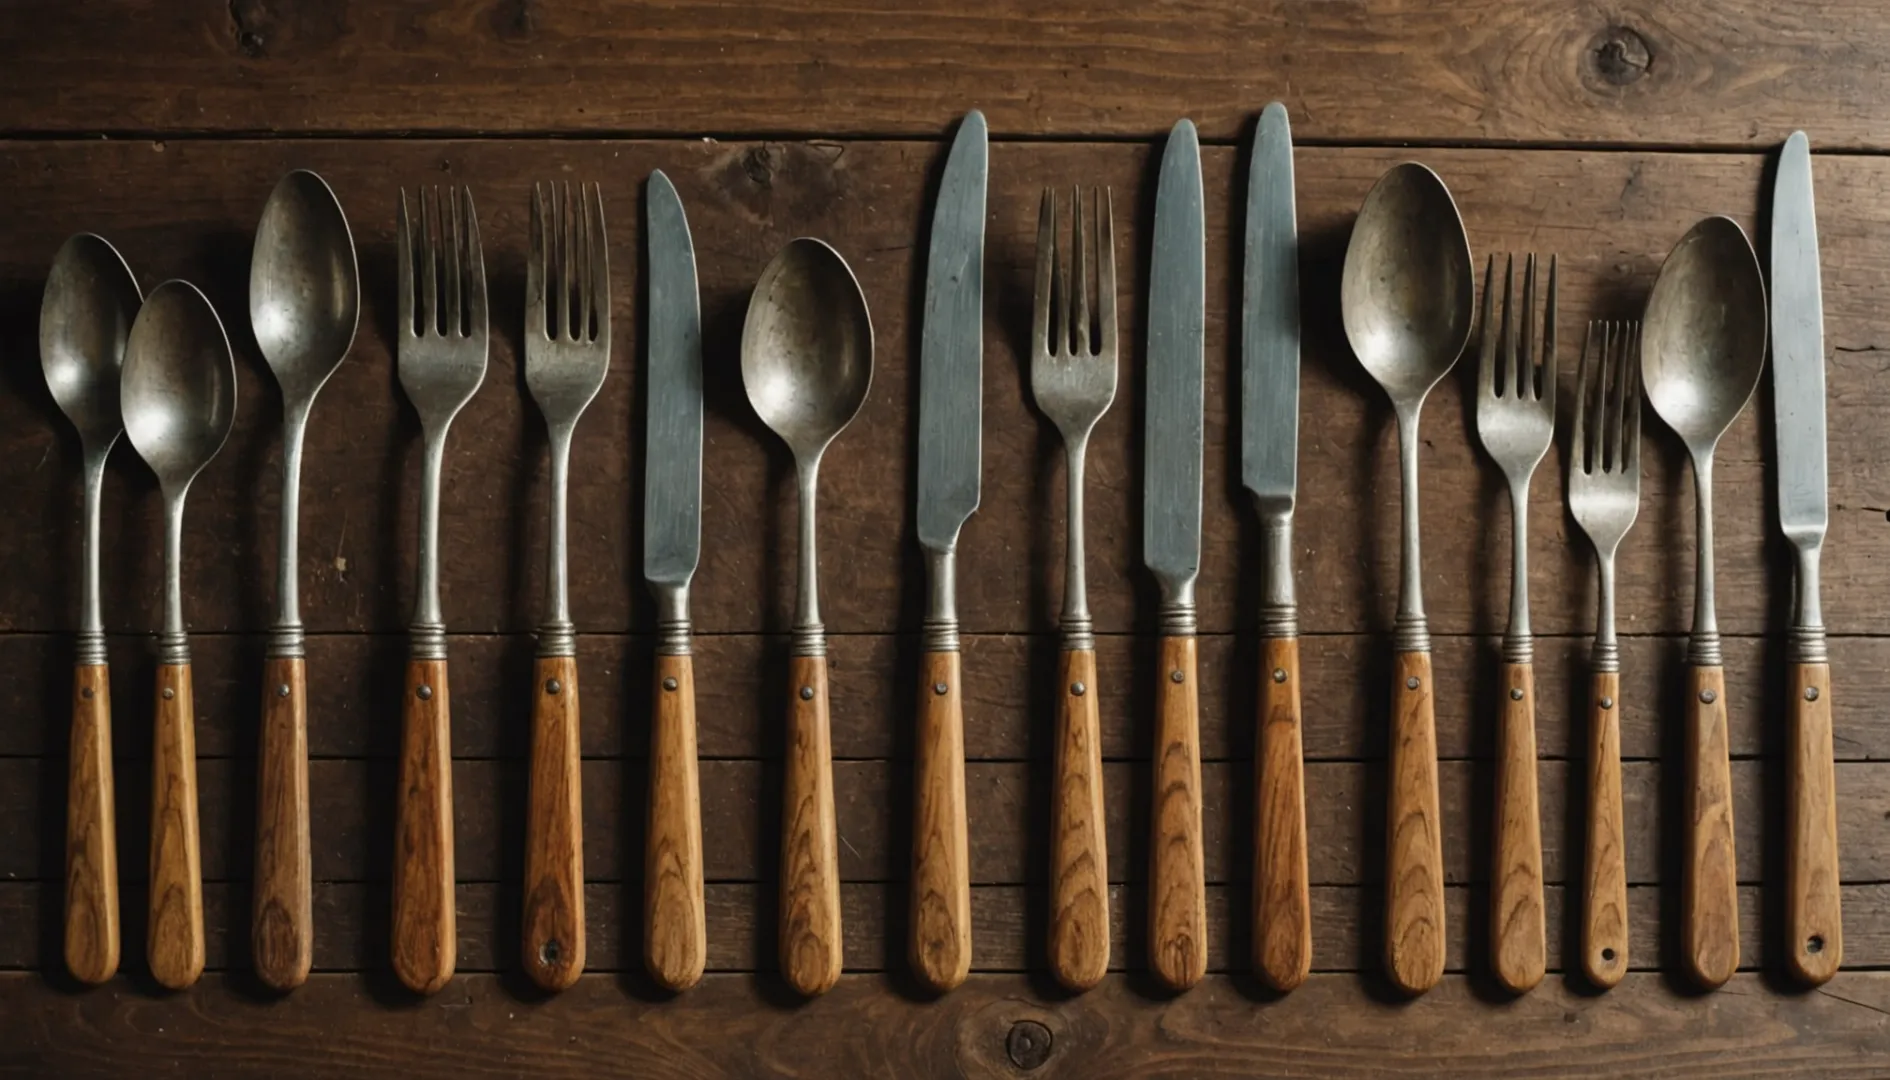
1604,493
1702,351
1171,548
179,395
1269,466
442,361
1516,420
84,318
951,390
807,363
1406,299
1073,378
1812,917
567,352
304,303
675,936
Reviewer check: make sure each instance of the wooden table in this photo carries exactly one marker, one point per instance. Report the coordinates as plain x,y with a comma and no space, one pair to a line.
1559,125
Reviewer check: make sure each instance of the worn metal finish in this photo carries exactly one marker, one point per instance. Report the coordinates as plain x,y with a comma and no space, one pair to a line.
179,395
1073,368
1407,296
1604,462
304,304
567,353
441,342
85,317
672,462
1269,363
1702,350
1177,328
1798,388
951,374
807,364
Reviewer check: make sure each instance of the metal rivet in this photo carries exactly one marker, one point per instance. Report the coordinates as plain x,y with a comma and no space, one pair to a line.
1811,693
669,683
1607,703
1515,693
1279,674
807,693
282,690
424,693
86,693
1078,688
940,688
1028,1045
552,686
1411,683
1814,944
1176,675
1708,696
169,693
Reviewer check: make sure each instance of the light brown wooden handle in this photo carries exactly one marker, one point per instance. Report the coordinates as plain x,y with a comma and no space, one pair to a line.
282,929
175,946
1414,838
1079,853
810,857
91,831
1282,912
426,928
1814,923
675,936
1518,927
553,945
940,949
1177,909
1710,896
1604,882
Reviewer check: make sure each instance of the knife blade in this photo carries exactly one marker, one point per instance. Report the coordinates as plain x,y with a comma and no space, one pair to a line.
951,398
1812,913
1171,548
675,929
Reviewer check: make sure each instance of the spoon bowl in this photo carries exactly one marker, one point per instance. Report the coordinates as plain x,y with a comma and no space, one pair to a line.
304,289
1407,290
84,320
1703,335
807,346
179,386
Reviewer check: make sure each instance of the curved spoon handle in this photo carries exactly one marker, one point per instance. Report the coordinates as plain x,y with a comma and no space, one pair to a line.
1812,916
282,932
426,927
91,941
941,860
1177,908
1604,885
810,857
176,945
675,938
1079,849
1518,925
1710,899
1282,915
1414,839
553,946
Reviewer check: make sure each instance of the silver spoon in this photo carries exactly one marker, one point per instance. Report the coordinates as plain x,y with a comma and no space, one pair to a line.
304,302
807,361
1406,296
91,299
179,396
1702,348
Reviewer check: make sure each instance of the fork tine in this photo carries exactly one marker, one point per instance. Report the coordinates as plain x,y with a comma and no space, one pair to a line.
1060,321
403,246
1046,272
1486,342
429,262
1579,440
1549,365
1631,406
535,267
1080,342
1106,272
581,267
1523,373
475,268
597,240
452,226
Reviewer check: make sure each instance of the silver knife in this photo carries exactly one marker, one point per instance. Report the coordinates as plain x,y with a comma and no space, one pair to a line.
1269,467
674,939
1171,546
951,398
1811,897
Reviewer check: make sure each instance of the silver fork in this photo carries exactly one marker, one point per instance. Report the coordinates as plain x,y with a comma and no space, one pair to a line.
442,361
1073,376
1516,419
567,352
1604,493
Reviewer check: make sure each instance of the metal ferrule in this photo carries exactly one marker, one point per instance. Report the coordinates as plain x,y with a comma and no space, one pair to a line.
1176,615
1279,607
809,641
426,641
1519,643
1606,655
556,635
1703,643
91,643
286,639
91,648
673,634
941,605
557,639
1807,643
173,642
1703,649
286,643
1079,634
1411,633
173,648
810,634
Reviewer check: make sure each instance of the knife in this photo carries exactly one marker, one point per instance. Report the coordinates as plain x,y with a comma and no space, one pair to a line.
1811,896
674,934
951,393
1269,465
1171,547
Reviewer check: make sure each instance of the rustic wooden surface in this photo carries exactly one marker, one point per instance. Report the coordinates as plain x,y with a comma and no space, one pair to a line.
1597,133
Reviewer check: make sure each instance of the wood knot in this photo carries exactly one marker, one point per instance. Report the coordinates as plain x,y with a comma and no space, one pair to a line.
248,20
1620,56
1028,1045
758,163
514,20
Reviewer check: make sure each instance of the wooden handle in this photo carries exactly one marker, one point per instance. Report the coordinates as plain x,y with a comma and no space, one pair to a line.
175,947
1710,897
1604,884
91,831
1177,909
1079,851
940,949
1282,913
282,931
1815,925
1414,839
426,932
1518,928
553,945
675,936
810,857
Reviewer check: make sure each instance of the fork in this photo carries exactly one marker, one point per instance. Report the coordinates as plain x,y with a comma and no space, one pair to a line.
442,361
1515,420
1604,492
1073,377
567,352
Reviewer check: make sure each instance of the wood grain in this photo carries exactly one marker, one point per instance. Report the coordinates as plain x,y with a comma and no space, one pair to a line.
91,916
174,944
810,859
675,945
1814,923
1709,897
552,948
1079,843
1604,937
282,928
1177,873
940,949
1518,946
1282,914
1414,834
423,938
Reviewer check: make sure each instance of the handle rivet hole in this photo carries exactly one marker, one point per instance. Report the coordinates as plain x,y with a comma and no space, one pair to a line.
424,692
1607,956
1412,683
1811,693
669,683
1279,674
807,693
1176,676
1708,696
1078,689
1814,944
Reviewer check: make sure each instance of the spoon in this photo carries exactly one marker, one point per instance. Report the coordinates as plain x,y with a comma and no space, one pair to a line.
807,361
179,396
1405,296
1702,347
303,304
91,299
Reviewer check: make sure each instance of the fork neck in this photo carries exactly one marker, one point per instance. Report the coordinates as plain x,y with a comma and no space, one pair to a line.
1518,642
1078,630
1606,655
555,634
428,631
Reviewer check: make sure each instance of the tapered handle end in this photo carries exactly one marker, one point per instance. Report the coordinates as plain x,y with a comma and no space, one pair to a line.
1177,875
1710,897
1518,925
1079,859
175,946
1282,916
1604,900
675,939
91,933
941,863
810,859
425,931
1813,918
282,932
553,945
1414,843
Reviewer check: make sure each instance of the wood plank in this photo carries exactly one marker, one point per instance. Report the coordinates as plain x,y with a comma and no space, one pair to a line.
1715,72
